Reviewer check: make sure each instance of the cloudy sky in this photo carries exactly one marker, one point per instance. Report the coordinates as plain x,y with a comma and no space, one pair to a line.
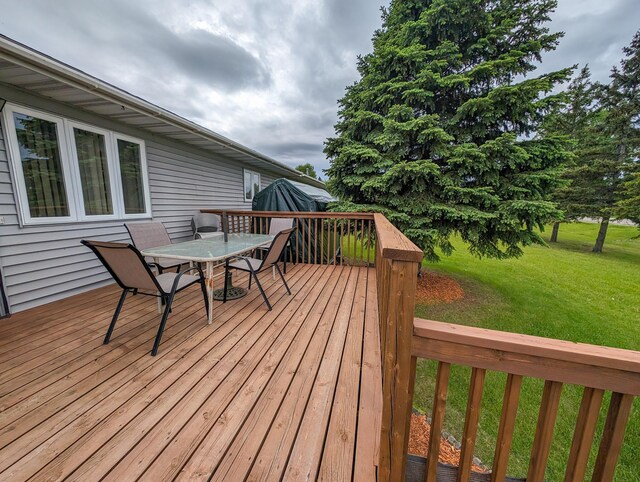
266,73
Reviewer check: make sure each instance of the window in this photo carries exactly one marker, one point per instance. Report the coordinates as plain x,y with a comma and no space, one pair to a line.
42,174
67,171
132,174
93,165
251,184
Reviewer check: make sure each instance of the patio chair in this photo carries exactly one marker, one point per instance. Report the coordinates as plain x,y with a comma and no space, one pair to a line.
254,266
133,274
204,225
277,225
152,234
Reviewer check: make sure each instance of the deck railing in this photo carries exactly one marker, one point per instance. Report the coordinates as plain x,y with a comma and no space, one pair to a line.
318,238
364,239
598,369
350,238
397,261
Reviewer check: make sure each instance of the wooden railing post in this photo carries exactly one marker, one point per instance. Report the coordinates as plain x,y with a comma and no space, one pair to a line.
397,262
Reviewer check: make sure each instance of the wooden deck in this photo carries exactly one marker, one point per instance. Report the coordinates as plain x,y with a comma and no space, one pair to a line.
291,394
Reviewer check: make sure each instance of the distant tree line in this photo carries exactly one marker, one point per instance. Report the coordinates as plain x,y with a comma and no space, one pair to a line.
602,124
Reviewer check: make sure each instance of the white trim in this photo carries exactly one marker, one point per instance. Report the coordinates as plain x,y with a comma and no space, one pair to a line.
82,216
145,176
16,164
71,170
253,184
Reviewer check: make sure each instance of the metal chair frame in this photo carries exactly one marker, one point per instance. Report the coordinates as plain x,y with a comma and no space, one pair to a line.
287,252
167,297
253,273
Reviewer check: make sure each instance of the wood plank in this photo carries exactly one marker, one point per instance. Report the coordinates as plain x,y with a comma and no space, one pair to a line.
239,398
544,431
261,423
583,435
31,326
612,437
471,419
305,456
271,461
559,350
13,378
54,376
79,402
340,440
294,214
109,412
370,403
506,427
204,462
53,345
183,430
437,420
393,244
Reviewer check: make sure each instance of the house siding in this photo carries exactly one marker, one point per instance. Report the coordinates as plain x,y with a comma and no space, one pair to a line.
42,263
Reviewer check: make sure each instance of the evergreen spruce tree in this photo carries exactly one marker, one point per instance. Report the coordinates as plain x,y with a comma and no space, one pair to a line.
629,206
437,133
622,98
604,180
575,119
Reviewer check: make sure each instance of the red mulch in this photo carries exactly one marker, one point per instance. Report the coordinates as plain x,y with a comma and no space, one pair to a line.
435,288
419,443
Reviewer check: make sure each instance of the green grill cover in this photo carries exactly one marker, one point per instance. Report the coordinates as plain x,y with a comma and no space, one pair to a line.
286,195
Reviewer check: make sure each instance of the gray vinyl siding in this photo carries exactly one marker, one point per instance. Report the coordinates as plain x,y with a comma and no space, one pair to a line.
41,264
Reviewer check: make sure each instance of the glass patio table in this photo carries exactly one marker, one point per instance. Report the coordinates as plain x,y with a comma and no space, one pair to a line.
210,251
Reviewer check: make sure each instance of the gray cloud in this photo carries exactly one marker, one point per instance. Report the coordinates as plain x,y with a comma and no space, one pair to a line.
266,74
129,37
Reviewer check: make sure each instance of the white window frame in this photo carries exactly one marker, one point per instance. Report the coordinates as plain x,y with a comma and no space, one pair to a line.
115,188
145,177
244,187
16,164
71,169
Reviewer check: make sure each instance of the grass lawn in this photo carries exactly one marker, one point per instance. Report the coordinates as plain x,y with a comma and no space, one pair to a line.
562,291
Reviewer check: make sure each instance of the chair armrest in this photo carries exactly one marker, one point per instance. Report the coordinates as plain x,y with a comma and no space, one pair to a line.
245,258
183,272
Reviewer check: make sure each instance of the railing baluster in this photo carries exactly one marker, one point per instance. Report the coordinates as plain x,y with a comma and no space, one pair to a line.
437,419
309,240
341,242
583,434
362,242
368,242
507,425
472,417
335,241
315,240
612,436
322,241
544,431
297,239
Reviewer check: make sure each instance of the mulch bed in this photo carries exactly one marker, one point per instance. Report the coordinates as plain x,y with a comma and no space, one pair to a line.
419,443
434,288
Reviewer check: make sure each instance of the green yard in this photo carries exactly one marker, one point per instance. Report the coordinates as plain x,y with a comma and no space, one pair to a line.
561,291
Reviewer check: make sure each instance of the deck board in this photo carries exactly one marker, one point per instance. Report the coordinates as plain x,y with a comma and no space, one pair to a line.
293,393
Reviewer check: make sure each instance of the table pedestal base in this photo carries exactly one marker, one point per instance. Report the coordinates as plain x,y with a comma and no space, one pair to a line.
233,292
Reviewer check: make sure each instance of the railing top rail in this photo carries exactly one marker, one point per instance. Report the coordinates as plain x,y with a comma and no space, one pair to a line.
560,360
290,214
393,244
604,356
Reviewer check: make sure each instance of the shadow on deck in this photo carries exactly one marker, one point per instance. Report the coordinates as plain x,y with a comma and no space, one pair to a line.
293,393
